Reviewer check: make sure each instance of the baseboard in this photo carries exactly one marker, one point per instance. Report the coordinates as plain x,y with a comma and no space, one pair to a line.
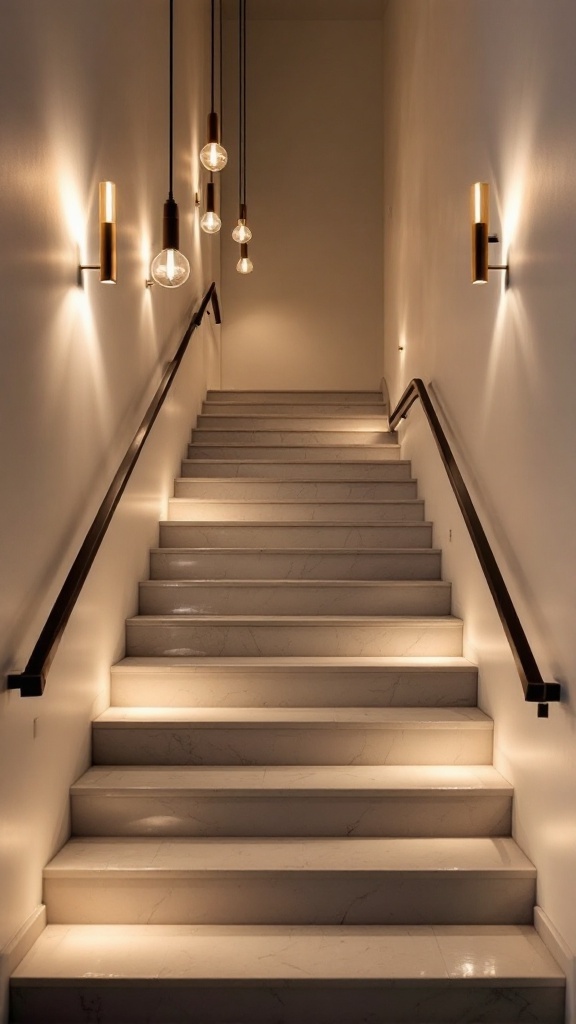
554,942
15,951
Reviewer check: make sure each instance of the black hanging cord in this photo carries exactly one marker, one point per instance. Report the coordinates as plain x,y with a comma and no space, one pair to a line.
212,35
220,64
171,120
242,101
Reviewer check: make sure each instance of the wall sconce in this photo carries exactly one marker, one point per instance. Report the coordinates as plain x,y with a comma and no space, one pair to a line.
107,265
480,215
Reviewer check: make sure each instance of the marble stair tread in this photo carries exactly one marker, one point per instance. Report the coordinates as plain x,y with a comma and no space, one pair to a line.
290,955
234,488
247,419
294,469
293,682
247,534
292,509
185,857
404,780
253,635
318,718
295,597
277,453
377,564
292,437
295,395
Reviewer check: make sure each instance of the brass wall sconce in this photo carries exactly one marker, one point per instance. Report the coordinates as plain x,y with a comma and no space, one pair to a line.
481,238
107,265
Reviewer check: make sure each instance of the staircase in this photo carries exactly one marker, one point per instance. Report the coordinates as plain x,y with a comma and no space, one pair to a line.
292,817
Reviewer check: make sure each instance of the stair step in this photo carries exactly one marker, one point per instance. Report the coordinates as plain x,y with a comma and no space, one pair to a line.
314,470
291,975
234,489
292,736
294,597
320,880
222,534
222,563
206,510
293,682
445,801
298,397
294,438
249,420
320,636
276,453
322,410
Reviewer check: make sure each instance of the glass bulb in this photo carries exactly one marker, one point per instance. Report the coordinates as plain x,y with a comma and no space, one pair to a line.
213,156
241,232
244,265
210,222
170,268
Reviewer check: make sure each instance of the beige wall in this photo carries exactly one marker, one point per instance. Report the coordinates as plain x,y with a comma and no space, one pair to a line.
83,96
485,91
310,315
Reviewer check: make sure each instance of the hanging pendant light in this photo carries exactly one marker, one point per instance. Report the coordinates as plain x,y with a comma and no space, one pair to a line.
213,156
242,233
170,268
210,222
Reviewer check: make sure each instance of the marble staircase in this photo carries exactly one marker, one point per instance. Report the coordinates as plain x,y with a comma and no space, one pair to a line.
292,815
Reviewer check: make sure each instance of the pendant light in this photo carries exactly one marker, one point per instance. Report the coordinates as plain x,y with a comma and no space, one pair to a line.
210,222
170,268
213,156
241,232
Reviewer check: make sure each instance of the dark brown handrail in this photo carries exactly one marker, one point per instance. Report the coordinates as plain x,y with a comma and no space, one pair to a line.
32,681
535,688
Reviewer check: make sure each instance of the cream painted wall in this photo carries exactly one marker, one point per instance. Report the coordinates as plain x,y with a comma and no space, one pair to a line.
84,96
310,315
485,91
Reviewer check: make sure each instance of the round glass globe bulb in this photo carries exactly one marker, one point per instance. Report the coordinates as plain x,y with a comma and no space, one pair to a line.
170,268
245,265
241,232
213,156
210,222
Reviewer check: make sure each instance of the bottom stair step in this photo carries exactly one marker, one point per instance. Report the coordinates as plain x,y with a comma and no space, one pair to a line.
287,975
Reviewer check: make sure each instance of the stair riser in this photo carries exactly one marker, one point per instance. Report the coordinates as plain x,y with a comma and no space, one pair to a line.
344,398
319,410
247,814
173,598
259,1002
280,687
196,510
285,421
295,490
319,470
291,897
298,745
294,535
278,565
148,639
308,438
291,453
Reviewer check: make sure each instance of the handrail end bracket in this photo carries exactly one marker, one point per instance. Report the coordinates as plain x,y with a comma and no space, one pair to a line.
30,684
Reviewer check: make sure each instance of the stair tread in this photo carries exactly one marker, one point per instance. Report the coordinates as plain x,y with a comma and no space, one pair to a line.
285,620
294,584
123,857
404,779
391,718
374,663
302,551
299,501
291,954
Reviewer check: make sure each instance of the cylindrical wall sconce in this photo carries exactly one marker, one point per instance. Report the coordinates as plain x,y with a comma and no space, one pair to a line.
107,265
481,237
480,212
107,232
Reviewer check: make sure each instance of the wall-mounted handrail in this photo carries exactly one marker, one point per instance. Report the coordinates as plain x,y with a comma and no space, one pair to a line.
535,688
32,681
